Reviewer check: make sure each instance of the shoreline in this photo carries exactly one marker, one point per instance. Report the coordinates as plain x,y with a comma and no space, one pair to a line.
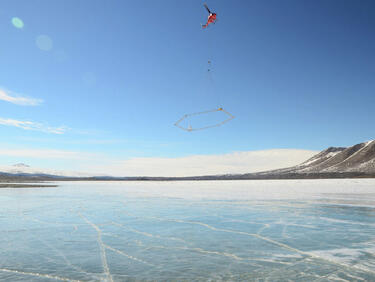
10,185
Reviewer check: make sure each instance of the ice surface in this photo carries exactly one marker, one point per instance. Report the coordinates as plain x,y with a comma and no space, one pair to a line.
299,230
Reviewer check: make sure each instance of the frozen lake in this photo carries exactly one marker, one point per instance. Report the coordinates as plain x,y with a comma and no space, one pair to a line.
299,230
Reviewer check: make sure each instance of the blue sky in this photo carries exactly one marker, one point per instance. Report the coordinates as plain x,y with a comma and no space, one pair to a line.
110,78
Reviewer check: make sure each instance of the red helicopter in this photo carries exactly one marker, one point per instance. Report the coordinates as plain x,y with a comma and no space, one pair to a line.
211,17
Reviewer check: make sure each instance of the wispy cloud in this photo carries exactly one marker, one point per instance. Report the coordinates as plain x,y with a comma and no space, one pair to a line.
18,99
36,126
75,141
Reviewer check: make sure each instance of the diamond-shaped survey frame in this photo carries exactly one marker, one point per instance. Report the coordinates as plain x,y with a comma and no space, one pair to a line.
189,128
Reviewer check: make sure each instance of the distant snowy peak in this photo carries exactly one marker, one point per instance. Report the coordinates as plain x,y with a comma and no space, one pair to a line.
24,169
21,165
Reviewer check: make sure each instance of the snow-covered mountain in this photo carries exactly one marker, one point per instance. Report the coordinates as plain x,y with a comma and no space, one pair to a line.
21,165
359,158
24,169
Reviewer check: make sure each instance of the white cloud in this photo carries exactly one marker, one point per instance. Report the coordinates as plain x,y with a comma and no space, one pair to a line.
233,163
18,100
30,125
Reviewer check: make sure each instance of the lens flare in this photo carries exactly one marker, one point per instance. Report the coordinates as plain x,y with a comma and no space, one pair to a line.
17,23
44,42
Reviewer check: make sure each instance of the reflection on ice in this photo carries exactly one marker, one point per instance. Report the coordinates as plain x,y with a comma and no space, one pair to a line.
243,230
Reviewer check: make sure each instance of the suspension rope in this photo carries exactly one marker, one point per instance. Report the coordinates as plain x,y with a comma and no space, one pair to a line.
210,91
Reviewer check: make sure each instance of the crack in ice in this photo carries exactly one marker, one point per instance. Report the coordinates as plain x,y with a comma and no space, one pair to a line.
38,275
285,246
126,255
101,245
77,268
147,234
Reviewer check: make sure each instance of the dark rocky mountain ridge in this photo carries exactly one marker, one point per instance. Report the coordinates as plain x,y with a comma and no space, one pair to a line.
359,158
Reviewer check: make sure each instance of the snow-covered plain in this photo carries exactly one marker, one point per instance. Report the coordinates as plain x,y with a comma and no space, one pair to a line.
302,230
